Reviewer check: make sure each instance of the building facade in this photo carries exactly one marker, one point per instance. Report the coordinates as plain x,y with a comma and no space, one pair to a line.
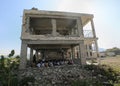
53,35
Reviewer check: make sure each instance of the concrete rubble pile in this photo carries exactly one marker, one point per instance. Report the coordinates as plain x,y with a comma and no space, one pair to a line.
55,76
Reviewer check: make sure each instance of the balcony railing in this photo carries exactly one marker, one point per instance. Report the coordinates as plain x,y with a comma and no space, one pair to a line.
88,33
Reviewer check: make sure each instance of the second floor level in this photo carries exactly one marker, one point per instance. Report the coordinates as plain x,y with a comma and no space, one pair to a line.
39,24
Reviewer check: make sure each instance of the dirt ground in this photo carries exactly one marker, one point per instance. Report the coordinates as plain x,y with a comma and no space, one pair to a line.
114,62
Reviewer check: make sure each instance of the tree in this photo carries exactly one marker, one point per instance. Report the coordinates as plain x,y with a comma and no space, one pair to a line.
12,53
115,50
8,77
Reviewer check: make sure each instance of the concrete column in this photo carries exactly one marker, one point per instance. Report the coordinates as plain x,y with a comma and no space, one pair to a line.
72,51
94,35
31,55
71,54
88,51
85,52
43,54
63,52
93,28
96,48
23,56
53,21
36,54
80,27
27,24
79,54
82,53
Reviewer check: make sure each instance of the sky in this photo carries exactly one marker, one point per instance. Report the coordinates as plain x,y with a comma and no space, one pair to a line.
106,19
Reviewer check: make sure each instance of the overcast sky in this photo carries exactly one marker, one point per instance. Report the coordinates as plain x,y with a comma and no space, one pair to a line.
106,19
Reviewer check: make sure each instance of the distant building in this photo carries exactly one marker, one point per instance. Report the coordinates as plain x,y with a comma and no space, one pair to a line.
102,54
52,35
110,54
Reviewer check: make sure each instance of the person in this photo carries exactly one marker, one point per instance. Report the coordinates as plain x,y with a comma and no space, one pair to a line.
58,63
50,63
34,59
39,65
43,64
70,62
46,63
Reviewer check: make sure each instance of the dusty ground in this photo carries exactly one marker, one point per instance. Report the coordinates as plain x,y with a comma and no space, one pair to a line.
114,62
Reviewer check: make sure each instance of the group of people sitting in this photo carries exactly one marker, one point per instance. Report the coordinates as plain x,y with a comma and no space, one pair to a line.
51,63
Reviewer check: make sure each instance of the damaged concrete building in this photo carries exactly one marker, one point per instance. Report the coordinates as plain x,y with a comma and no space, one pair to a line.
57,35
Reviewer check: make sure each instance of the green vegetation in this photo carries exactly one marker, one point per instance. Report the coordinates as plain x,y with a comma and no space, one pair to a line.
24,81
115,50
101,75
9,71
113,62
